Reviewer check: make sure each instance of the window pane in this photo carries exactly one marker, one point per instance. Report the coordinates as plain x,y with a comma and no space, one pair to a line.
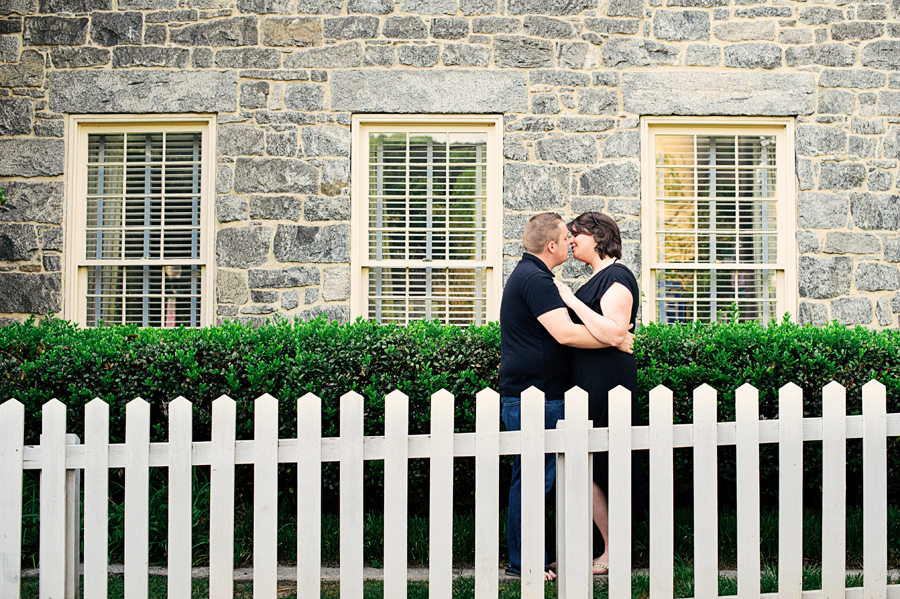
157,296
453,296
707,295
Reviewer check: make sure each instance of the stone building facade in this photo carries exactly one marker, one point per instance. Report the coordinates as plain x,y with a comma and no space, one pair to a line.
577,86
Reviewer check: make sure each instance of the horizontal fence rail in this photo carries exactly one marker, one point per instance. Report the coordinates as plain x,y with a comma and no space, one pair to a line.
61,458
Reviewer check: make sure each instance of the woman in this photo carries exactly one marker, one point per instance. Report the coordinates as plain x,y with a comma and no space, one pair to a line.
606,304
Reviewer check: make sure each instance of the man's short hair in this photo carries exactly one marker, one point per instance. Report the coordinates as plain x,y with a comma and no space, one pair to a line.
540,229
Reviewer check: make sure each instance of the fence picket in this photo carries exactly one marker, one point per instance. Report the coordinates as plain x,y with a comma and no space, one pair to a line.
137,498
562,588
221,499
440,561
53,501
790,492
706,503
487,493
579,530
265,497
834,490
662,507
747,420
874,490
620,493
351,496
180,498
532,480
96,497
396,462
12,431
309,503
73,527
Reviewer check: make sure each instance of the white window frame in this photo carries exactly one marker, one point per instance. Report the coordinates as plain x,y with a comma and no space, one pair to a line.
359,261
783,129
79,127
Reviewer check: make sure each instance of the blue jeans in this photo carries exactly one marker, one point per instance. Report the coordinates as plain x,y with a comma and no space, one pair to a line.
554,410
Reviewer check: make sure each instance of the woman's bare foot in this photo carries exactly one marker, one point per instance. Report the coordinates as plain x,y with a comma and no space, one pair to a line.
549,576
601,565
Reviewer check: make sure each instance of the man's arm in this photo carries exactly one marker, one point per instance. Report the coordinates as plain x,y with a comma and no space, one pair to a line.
566,332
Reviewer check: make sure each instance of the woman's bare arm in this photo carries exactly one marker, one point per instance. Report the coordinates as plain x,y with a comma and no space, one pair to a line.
611,328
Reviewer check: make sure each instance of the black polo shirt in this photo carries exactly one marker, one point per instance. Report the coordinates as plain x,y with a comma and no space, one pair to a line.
529,355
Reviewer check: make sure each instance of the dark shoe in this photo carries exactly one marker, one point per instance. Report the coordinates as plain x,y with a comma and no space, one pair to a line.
513,573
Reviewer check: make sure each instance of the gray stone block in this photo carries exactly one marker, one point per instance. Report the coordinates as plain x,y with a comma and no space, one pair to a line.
266,296
567,149
231,287
895,303
513,248
449,28
805,174
337,56
466,55
542,26
631,257
9,48
757,12
297,276
817,140
324,7
318,208
581,204
406,28
290,299
22,7
297,243
296,32
575,269
698,3
28,157
16,116
55,31
575,55
304,96
875,211
531,123
892,249
49,7
284,207
872,276
598,101
254,94
856,31
275,175
238,31
230,208
832,54
515,51
201,58
243,247
841,175
623,53
880,180
820,15
888,103
843,242
13,25
374,7
535,187
742,31
336,313
882,54
32,202
265,7
143,91
27,293
550,7
284,117
353,27
478,7
514,224
281,144
622,206
795,36
621,144
822,210
858,78
614,179
49,128
559,77
51,238
625,8
613,26
171,16
28,73
682,25
574,124
149,56
17,241
513,148
240,140
335,176
864,147
883,311
496,25
329,140
891,143
733,94
258,309
702,55
754,55
815,314
544,104
808,242
310,295
437,91
866,126
382,56
419,56
224,178
429,7
248,58
337,284
70,58
156,4
51,263
852,310
822,278
115,28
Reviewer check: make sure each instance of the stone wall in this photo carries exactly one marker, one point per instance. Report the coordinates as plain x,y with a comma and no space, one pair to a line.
572,78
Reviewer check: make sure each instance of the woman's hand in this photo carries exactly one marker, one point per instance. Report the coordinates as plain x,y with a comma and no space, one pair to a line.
566,293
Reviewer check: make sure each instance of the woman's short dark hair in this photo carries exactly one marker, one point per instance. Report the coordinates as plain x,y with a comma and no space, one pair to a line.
603,229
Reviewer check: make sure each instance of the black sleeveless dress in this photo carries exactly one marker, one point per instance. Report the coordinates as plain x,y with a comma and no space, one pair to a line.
598,371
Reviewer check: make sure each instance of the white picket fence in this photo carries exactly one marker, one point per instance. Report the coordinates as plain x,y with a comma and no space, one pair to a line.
61,457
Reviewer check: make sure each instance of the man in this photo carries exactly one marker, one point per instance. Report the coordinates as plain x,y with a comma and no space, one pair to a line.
535,331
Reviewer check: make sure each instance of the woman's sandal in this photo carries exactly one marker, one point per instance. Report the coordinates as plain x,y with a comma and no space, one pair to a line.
600,569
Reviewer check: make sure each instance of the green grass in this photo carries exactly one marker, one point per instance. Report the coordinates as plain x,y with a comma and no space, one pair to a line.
464,588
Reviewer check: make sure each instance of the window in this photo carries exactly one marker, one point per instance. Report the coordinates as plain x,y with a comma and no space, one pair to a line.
140,210
718,218
426,219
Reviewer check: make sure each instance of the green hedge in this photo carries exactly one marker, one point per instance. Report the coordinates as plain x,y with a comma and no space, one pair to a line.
53,358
